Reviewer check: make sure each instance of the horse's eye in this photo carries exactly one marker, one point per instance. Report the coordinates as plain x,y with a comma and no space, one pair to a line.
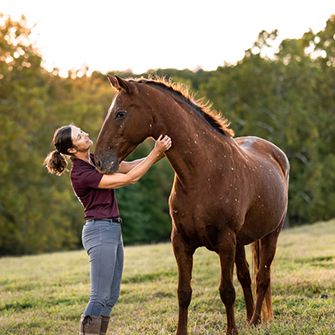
120,115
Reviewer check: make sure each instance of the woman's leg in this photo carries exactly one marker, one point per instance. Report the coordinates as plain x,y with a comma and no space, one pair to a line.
103,259
116,282
105,249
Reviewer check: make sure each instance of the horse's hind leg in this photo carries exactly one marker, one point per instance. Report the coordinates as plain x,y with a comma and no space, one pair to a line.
184,257
243,275
226,251
267,252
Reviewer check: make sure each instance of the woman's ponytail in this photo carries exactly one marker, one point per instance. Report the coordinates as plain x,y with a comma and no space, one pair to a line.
55,162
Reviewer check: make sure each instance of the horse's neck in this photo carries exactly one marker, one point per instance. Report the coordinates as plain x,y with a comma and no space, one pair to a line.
195,144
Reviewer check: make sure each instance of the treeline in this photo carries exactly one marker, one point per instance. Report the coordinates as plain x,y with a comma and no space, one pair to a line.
288,99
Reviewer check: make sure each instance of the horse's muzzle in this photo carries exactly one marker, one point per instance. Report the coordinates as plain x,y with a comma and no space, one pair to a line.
106,163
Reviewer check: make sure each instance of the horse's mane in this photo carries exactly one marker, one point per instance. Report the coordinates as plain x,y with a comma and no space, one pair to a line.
204,109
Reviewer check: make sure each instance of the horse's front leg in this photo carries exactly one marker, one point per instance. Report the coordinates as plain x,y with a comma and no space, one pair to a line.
226,250
184,257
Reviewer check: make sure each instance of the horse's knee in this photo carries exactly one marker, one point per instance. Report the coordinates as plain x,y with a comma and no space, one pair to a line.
184,297
227,294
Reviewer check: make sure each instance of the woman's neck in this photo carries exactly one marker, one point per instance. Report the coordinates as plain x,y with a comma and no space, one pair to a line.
84,155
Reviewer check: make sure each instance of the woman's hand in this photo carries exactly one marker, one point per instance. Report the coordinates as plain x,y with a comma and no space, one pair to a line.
162,144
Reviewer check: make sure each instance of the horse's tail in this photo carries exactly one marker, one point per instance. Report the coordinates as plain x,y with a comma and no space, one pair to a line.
267,313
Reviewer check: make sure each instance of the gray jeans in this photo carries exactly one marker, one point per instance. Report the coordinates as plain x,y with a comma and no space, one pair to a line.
102,240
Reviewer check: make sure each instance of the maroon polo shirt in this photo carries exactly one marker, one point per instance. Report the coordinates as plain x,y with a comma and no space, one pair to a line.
98,203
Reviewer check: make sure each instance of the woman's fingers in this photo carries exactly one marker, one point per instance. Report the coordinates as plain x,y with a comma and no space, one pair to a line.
168,142
164,141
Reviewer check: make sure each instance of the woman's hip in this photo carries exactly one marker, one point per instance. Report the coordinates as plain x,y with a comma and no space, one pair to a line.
100,232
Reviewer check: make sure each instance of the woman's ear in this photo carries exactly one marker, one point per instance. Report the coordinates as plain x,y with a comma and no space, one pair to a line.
71,150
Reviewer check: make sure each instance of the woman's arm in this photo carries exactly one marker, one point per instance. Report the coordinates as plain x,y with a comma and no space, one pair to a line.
117,180
127,166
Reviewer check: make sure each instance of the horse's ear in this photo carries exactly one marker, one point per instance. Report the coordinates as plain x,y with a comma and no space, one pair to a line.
113,81
121,84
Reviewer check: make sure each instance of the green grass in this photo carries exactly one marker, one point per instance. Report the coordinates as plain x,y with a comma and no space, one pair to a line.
46,294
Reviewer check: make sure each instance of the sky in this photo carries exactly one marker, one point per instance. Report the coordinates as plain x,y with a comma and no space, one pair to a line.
139,35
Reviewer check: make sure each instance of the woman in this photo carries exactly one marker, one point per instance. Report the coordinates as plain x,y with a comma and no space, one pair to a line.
101,234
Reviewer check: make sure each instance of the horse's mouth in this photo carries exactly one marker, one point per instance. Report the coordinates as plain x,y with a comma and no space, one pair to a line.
106,163
109,168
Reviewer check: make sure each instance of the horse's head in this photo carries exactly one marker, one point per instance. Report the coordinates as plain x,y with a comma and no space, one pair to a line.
127,124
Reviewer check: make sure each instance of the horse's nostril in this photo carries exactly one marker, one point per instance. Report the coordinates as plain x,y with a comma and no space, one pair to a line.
98,163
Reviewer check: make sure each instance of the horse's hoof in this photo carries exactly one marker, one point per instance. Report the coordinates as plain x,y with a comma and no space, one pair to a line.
249,317
255,321
232,331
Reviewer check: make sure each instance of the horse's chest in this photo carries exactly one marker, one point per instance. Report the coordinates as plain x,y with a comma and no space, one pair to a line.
199,224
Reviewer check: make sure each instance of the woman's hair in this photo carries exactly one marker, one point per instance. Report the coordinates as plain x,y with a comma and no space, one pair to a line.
55,161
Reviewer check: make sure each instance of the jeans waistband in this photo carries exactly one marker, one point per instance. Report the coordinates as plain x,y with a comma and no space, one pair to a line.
113,220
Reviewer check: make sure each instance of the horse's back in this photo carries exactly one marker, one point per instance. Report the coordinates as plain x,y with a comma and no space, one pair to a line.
259,147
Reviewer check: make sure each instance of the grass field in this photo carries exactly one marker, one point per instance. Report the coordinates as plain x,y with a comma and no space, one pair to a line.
46,294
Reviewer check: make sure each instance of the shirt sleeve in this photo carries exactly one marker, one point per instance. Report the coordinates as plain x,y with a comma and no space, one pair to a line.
90,178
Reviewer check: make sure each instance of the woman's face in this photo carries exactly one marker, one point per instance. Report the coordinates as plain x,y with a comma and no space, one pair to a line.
81,140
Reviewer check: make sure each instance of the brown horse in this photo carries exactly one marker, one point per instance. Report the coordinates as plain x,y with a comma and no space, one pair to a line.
227,192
